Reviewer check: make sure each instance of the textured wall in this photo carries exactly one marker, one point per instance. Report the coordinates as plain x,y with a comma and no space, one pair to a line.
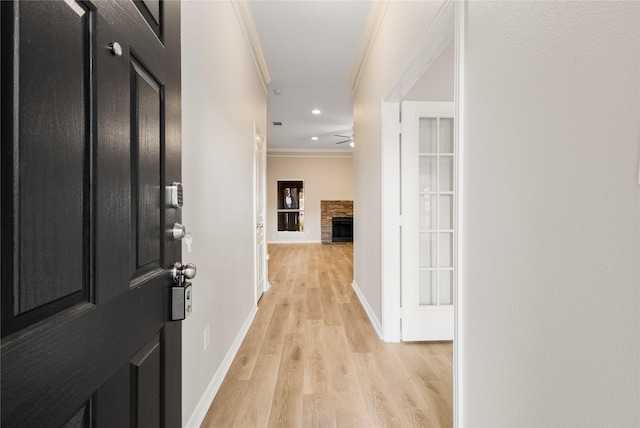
222,98
551,215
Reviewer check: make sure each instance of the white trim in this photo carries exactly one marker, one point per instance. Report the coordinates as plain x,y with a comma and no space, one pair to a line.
259,156
294,242
255,213
245,18
430,45
370,313
278,152
372,24
458,302
202,408
390,221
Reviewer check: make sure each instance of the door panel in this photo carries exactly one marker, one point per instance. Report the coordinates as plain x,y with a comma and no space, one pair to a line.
261,244
146,185
428,226
145,385
60,157
151,10
111,398
82,418
57,145
88,145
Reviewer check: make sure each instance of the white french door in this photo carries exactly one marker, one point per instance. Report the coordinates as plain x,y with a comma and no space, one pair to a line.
428,203
260,220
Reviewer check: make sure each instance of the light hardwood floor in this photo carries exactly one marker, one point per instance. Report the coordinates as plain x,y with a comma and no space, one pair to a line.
312,359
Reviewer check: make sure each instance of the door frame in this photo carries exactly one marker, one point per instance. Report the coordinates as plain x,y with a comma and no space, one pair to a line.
258,137
448,24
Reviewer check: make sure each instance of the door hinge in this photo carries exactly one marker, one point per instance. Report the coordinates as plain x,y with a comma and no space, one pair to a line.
400,126
399,220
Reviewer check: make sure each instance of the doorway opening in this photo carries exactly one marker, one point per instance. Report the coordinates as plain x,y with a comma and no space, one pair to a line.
444,36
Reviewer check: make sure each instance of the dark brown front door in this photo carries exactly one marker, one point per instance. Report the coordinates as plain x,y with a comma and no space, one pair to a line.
90,142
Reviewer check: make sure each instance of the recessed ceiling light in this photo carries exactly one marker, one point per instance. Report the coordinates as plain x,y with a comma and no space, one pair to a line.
316,111
314,138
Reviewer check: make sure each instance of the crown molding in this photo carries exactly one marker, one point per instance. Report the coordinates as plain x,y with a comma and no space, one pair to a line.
371,27
245,18
437,36
308,153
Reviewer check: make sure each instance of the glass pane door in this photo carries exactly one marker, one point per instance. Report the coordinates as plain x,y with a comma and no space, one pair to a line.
436,196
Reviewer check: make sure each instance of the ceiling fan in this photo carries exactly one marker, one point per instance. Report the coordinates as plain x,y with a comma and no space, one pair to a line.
348,139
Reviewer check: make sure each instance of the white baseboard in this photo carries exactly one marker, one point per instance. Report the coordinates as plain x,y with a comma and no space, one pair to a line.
293,242
372,317
201,409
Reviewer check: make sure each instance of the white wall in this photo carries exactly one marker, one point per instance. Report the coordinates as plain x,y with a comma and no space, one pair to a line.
404,22
437,83
551,315
222,97
326,176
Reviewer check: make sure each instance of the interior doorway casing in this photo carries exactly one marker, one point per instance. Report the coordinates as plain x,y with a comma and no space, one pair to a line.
448,25
261,279
434,40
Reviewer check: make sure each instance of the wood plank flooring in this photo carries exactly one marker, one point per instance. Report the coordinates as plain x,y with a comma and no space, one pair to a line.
312,359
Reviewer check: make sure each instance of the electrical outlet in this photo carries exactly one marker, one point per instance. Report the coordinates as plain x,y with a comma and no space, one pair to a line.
207,337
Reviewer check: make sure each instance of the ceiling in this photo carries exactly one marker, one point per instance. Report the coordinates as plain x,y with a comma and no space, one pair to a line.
309,47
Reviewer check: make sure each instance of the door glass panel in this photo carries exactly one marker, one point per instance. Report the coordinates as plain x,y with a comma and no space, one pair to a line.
428,210
428,135
427,175
446,135
445,250
427,252
445,205
428,283
436,210
446,174
445,285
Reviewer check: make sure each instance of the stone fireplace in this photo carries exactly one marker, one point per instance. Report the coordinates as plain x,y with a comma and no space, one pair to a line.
329,210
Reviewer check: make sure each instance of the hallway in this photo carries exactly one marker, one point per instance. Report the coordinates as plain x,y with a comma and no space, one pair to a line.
312,359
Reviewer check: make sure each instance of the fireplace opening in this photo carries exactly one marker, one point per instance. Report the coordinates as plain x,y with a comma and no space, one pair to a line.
342,229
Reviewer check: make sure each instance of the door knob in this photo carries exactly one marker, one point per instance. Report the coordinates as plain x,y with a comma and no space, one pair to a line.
189,270
180,272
